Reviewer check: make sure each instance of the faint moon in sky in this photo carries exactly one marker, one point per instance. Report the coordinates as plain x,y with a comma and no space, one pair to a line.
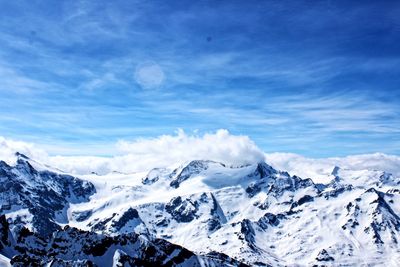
149,75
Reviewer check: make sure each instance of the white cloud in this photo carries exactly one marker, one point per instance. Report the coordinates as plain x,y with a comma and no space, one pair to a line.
144,154
87,164
171,150
168,150
8,148
318,169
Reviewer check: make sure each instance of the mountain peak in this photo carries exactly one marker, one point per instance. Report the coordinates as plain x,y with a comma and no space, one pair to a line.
21,156
192,168
265,170
335,171
245,211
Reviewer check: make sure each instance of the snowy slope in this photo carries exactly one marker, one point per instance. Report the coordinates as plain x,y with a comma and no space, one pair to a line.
254,213
37,206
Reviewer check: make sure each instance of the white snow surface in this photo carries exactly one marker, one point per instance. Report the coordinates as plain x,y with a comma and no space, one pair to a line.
4,261
298,238
346,215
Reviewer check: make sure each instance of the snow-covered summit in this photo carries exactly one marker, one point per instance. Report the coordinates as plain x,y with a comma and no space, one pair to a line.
254,213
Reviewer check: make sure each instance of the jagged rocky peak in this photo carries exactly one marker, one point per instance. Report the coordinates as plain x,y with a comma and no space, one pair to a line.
42,193
335,171
275,183
73,247
254,213
21,156
264,170
195,208
24,167
24,161
182,210
195,167
371,215
126,221
264,175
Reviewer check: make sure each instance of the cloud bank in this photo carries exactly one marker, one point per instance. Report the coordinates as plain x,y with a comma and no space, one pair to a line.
321,168
144,154
9,147
141,155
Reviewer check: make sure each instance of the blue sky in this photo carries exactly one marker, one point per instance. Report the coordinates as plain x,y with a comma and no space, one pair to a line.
318,78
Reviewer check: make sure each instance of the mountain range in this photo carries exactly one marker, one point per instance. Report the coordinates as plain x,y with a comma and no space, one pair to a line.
202,213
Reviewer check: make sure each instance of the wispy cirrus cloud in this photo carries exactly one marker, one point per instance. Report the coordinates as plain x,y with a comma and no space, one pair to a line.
290,75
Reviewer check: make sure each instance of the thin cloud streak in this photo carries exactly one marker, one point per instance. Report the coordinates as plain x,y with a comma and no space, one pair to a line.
290,75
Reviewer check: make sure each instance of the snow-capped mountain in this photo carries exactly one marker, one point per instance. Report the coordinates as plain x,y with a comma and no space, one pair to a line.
203,213
39,199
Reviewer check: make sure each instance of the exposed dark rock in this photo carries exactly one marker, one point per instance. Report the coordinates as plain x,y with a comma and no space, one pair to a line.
128,215
253,189
81,215
4,227
324,256
152,177
270,219
285,183
68,263
193,168
101,225
335,192
182,210
223,259
264,170
70,247
302,200
335,171
382,218
41,192
247,231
